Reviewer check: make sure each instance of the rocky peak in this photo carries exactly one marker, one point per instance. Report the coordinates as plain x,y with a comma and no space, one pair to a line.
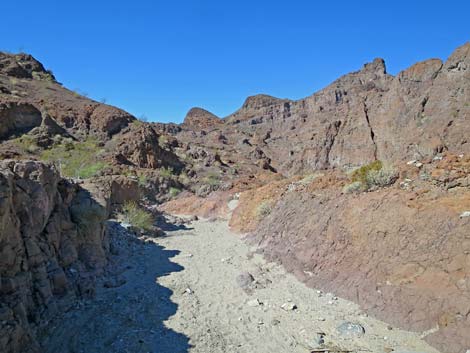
200,118
459,61
377,66
23,66
259,101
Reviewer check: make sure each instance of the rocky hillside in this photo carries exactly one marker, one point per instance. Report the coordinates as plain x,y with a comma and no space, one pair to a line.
362,116
373,202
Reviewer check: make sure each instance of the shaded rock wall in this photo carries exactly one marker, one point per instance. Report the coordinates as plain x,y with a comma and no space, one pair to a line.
53,241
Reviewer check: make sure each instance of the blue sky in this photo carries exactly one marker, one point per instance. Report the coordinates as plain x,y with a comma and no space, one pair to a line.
160,58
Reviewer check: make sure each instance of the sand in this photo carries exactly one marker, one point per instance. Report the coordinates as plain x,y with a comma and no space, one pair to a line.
184,293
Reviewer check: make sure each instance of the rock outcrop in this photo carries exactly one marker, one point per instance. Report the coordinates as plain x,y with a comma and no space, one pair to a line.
53,242
362,116
199,119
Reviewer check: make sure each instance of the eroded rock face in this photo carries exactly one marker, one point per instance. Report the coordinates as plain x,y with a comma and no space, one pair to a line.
362,116
139,146
404,257
52,242
17,119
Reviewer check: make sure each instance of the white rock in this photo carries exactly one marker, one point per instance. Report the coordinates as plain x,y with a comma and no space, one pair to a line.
418,164
411,162
465,214
254,302
289,306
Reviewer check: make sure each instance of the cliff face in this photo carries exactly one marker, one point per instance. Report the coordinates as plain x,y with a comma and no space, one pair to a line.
53,242
362,116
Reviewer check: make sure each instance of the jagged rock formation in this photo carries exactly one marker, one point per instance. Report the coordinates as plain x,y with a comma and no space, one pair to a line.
52,242
362,116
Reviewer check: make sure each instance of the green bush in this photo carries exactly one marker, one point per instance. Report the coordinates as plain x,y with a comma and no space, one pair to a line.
27,144
166,172
382,177
142,180
137,216
369,176
174,191
76,159
355,186
360,174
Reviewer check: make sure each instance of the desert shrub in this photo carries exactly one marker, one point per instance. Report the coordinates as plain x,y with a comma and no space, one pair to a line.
308,179
184,179
382,177
166,172
26,143
212,180
174,191
137,216
264,209
360,174
355,186
369,176
142,180
76,159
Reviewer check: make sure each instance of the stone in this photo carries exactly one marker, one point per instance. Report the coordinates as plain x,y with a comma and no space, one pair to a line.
289,306
350,330
254,302
244,280
465,214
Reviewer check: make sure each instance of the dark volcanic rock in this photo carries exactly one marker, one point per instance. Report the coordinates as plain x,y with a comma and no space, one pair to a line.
52,242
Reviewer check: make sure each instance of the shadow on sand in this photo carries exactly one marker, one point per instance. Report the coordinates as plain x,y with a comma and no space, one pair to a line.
167,226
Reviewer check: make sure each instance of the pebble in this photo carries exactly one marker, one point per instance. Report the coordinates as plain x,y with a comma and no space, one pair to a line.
289,306
254,302
321,319
244,280
465,214
319,339
351,330
188,291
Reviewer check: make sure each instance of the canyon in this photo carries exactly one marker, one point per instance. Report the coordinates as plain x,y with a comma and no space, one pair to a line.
360,190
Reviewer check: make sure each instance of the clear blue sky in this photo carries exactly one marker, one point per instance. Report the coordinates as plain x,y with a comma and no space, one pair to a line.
160,58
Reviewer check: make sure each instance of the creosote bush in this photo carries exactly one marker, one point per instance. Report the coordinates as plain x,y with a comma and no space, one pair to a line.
360,174
137,216
370,176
